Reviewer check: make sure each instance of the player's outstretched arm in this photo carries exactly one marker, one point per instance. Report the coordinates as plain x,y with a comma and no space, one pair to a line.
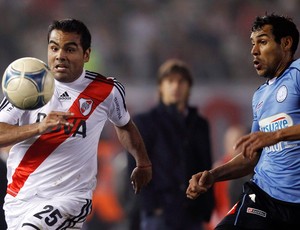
238,167
129,136
12,134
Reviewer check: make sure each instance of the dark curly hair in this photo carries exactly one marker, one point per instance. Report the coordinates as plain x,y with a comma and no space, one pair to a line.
282,27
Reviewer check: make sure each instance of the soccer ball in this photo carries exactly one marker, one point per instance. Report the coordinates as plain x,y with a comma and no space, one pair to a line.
28,83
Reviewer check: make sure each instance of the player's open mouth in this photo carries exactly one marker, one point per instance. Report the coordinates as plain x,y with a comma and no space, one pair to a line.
60,67
257,64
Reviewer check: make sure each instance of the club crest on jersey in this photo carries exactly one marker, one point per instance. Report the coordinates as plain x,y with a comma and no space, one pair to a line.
281,94
85,106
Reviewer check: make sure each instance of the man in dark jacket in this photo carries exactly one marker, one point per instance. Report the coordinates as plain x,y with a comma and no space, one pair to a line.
177,139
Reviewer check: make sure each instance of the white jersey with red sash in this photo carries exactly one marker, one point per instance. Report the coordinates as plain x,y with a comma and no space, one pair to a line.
64,162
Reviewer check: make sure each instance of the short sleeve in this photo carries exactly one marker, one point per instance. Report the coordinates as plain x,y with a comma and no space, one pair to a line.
295,73
118,113
9,113
297,79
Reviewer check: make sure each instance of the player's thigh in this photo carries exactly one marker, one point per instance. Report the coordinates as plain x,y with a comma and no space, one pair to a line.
57,214
249,213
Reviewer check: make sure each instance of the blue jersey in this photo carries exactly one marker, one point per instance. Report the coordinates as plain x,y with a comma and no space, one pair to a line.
276,105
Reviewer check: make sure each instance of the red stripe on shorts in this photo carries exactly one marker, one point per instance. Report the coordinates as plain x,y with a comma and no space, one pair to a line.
39,151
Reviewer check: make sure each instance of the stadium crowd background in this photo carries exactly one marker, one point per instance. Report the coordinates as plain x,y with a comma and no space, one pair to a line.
131,38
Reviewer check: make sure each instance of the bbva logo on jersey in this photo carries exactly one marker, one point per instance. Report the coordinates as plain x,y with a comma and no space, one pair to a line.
85,106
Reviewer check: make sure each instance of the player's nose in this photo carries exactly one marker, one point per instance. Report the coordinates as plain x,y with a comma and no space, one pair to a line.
60,55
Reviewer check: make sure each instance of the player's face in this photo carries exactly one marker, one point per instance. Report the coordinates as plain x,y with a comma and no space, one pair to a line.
269,56
174,89
65,55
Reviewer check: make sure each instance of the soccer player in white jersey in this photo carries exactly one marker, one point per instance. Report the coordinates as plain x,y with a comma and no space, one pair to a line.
52,165
271,200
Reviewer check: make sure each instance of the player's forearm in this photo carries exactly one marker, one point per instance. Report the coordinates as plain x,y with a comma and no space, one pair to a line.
132,141
235,168
138,151
12,134
288,134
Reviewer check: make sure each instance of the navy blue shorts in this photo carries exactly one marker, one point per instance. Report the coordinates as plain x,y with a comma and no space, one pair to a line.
257,210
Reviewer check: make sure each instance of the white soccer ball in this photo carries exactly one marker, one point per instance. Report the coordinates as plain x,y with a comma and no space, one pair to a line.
28,83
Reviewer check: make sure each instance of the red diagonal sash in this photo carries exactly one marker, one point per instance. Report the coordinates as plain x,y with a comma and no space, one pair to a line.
39,151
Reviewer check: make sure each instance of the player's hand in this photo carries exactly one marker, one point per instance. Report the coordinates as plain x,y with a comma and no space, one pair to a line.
140,177
249,145
199,183
53,119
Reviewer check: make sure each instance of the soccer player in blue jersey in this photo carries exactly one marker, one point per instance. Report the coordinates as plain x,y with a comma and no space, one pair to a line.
271,199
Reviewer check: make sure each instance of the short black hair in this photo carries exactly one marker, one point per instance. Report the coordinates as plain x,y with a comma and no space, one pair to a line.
282,27
72,26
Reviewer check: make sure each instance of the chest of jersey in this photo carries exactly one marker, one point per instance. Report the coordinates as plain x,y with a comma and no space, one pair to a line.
277,105
90,110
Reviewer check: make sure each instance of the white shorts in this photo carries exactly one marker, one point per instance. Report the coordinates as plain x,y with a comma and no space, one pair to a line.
43,214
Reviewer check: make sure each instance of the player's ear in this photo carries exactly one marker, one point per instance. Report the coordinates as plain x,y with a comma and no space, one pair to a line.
86,55
286,43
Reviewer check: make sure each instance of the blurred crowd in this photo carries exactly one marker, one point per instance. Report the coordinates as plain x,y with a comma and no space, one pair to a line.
132,37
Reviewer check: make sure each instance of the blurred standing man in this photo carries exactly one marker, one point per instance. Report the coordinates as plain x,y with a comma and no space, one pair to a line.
178,143
272,199
52,165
